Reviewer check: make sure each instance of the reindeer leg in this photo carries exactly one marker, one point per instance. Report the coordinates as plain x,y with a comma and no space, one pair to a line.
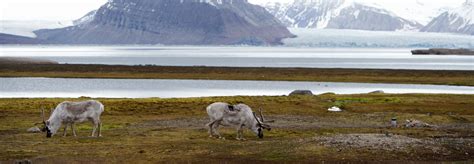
241,132
216,126
65,130
94,128
73,130
238,133
100,129
209,125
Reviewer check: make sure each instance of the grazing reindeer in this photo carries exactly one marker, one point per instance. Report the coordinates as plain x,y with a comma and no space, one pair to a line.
239,116
69,113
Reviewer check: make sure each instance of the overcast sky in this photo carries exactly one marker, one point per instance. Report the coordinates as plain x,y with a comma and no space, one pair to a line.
73,9
47,9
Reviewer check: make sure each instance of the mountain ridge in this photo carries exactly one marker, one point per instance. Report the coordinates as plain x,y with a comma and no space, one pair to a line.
172,22
458,20
339,14
375,15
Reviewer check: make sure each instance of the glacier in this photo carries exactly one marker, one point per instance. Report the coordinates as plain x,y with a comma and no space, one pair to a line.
342,38
26,27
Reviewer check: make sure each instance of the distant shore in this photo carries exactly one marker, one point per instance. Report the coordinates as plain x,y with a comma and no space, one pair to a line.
18,60
441,51
438,77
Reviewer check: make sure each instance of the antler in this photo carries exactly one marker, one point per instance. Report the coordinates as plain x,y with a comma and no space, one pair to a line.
256,118
263,118
42,111
262,125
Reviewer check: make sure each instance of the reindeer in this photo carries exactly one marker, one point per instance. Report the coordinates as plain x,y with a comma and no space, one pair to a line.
239,116
69,113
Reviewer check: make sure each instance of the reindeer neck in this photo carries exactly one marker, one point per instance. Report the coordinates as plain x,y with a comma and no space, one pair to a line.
55,123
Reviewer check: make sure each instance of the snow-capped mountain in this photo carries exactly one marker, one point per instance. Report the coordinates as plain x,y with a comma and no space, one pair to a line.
190,22
339,14
387,15
458,20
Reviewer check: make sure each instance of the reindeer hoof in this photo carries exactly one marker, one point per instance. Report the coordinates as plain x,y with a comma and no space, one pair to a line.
222,138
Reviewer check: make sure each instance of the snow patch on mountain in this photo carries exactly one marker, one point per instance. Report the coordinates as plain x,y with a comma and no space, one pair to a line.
86,19
458,20
465,12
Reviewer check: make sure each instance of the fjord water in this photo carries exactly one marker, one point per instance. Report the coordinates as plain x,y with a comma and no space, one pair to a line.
140,88
374,58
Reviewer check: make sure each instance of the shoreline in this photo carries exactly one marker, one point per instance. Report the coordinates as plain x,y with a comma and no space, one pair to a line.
24,61
435,77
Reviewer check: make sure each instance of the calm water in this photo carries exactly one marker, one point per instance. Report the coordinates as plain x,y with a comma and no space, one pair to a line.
136,88
243,57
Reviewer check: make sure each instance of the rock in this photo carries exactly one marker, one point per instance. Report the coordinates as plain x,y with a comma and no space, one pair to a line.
377,92
411,123
23,161
34,130
302,92
443,51
335,109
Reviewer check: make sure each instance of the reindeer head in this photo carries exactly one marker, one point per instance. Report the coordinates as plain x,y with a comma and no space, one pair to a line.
46,125
260,126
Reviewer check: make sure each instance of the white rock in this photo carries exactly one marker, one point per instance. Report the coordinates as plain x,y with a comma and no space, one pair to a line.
335,109
34,130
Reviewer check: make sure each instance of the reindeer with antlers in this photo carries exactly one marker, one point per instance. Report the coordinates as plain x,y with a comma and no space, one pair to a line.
239,116
69,113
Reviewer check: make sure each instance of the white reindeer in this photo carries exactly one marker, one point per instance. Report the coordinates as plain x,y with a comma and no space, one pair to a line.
69,113
239,116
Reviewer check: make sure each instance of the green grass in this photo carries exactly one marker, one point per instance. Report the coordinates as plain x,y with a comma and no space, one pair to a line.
439,77
163,130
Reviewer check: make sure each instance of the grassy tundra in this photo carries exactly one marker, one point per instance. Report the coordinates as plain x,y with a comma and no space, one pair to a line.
172,130
465,78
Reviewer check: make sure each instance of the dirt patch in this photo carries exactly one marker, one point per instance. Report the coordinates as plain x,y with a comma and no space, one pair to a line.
295,122
186,123
281,122
386,142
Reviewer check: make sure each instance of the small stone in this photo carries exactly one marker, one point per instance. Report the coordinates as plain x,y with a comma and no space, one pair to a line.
24,161
34,130
335,109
